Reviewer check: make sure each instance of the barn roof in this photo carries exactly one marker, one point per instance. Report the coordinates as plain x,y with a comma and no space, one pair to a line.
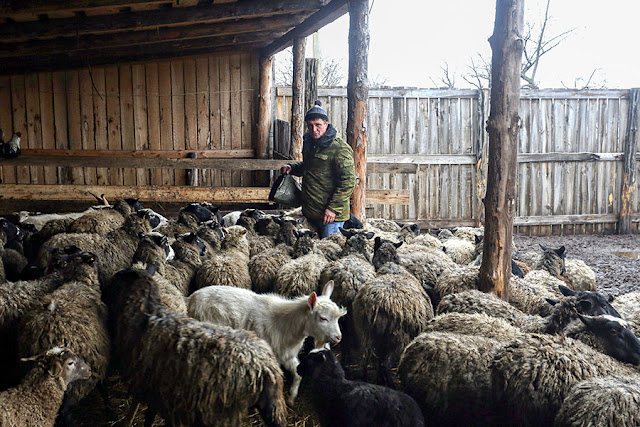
53,34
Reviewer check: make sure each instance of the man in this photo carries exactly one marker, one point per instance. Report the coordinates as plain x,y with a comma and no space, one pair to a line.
328,173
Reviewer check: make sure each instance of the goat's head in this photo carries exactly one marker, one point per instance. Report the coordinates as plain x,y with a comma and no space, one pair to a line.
322,323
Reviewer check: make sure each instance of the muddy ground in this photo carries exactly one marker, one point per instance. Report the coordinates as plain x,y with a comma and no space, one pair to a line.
614,258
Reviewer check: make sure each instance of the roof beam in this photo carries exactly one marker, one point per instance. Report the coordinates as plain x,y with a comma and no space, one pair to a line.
147,38
39,7
324,16
147,20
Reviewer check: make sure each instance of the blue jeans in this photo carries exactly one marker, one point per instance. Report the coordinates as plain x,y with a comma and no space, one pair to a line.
328,229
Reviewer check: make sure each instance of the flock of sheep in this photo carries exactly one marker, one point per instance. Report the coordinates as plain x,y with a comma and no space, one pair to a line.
206,317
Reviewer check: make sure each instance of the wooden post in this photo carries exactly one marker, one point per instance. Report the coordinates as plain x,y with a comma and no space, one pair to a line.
357,97
310,82
481,157
503,127
297,98
191,175
629,162
261,144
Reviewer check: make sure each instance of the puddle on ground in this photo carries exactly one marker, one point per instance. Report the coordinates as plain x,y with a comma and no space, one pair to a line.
632,255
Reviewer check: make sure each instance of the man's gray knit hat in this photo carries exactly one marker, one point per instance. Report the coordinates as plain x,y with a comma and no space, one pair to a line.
316,112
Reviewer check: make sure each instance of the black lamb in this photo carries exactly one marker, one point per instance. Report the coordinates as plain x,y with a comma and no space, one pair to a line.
340,402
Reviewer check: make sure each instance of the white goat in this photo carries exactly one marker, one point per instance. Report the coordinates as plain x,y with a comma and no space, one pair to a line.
282,322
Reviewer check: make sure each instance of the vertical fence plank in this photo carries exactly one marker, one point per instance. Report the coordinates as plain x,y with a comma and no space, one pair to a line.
166,118
53,121
98,80
140,125
87,124
126,119
225,113
34,129
191,113
151,75
177,108
74,120
6,124
215,118
202,106
114,132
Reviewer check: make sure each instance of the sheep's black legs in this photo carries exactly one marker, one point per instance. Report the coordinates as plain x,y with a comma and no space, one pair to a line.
108,407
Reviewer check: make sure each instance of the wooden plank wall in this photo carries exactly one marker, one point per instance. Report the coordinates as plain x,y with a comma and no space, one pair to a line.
439,123
203,102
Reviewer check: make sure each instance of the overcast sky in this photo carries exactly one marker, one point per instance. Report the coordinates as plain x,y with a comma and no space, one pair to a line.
412,39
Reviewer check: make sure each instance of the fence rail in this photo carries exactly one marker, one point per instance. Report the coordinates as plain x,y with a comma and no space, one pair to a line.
433,143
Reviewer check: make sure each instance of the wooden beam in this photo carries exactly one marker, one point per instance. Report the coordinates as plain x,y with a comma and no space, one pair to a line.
91,42
503,127
310,83
149,20
166,154
167,194
145,162
358,98
40,7
629,173
261,143
565,219
324,16
297,98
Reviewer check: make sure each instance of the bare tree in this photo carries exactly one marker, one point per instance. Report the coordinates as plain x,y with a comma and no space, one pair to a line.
594,81
333,73
378,81
478,73
536,42
447,79
283,69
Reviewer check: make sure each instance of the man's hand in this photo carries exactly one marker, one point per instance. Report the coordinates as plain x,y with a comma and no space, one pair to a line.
285,170
329,216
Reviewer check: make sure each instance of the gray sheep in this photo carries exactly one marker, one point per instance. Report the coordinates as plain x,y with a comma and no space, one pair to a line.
189,371
102,221
601,401
390,310
74,316
35,402
264,267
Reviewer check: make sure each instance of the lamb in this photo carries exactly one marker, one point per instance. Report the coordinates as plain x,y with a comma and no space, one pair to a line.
264,267
478,324
283,323
601,401
102,221
390,310
454,280
426,264
190,372
341,402
181,271
449,375
532,375
461,251
35,402
212,234
230,266
115,249
551,260
471,234
73,315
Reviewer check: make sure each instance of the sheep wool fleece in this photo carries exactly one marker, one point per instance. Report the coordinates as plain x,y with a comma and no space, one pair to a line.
328,175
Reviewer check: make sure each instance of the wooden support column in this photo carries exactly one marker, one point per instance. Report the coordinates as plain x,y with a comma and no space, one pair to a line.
261,144
629,163
503,127
310,82
297,98
481,149
357,97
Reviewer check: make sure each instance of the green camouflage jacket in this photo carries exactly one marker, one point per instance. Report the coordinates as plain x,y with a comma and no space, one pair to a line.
328,176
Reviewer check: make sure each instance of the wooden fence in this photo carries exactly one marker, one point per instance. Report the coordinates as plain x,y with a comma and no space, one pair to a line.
433,143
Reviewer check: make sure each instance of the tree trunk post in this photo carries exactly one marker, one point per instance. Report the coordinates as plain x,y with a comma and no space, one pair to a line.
503,127
297,98
629,164
357,98
481,157
310,82
264,118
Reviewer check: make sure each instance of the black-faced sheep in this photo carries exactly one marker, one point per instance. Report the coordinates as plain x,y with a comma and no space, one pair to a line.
36,401
189,371
283,323
340,402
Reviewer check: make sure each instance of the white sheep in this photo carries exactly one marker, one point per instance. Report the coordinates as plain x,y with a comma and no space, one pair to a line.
283,323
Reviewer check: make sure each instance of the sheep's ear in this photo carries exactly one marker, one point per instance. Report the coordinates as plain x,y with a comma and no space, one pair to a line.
566,291
140,234
311,302
587,320
313,234
560,251
377,243
552,301
344,232
301,220
369,235
478,239
544,248
152,269
278,220
29,359
328,289
164,240
611,298
397,245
